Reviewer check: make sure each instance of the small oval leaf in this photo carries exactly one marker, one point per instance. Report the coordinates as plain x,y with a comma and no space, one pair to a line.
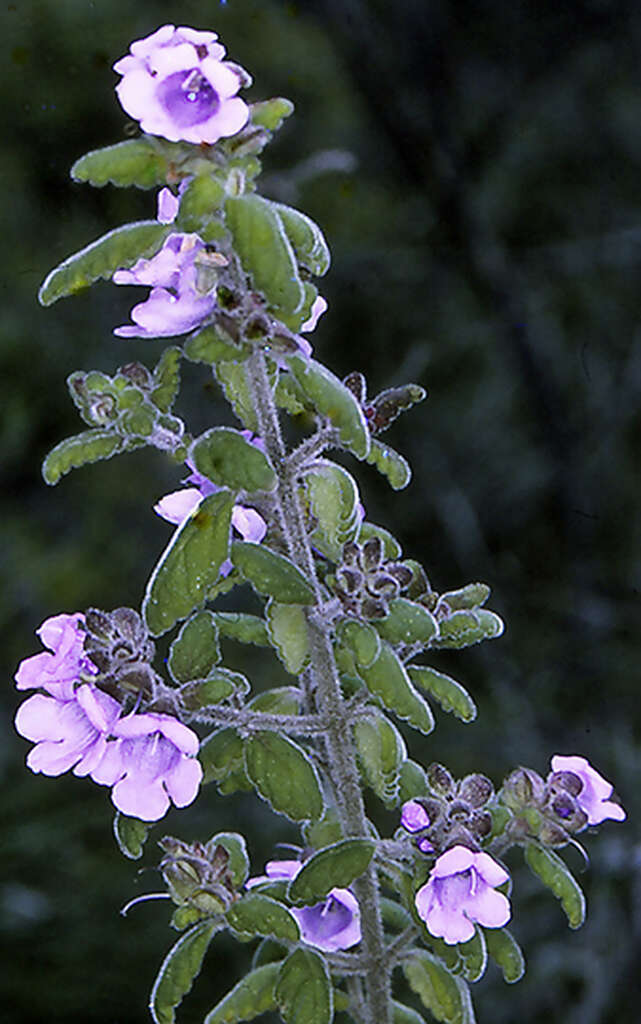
445,996
256,914
249,998
334,867
289,636
195,650
284,776
407,623
270,574
388,680
221,756
555,875
307,239
225,457
131,835
134,162
179,968
303,991
332,399
73,452
464,628
450,694
390,463
505,950
381,751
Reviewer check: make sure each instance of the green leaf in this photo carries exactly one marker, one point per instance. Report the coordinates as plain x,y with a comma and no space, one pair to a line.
270,574
256,914
332,399
303,991
362,640
335,866
555,875
288,633
119,249
166,379
221,756
131,835
224,456
388,680
407,623
269,952
391,547
445,996
413,781
248,999
307,239
284,776
195,650
73,452
318,834
233,380
212,346
334,503
238,864
471,596
179,968
381,752
464,628
505,950
265,251
246,629
404,1015
135,162
394,915
450,694
390,464
190,564
270,114
281,700
200,202
474,953
220,684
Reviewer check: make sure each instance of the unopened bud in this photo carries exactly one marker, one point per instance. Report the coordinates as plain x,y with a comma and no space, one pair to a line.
440,780
523,787
476,789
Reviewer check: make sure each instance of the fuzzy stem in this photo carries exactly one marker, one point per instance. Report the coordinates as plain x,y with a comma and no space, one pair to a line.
330,703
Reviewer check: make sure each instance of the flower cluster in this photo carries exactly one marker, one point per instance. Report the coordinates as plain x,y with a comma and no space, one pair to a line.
148,759
331,925
177,85
453,813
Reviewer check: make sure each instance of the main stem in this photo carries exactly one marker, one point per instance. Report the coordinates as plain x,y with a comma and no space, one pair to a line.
330,703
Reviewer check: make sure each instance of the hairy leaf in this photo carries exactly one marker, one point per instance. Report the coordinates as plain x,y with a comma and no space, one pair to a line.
134,162
195,650
166,379
334,503
388,680
284,776
505,950
390,464
450,694
80,450
331,399
381,752
335,866
221,756
407,623
249,998
271,574
257,914
131,835
224,456
306,238
288,633
179,968
444,995
303,991
555,875
465,627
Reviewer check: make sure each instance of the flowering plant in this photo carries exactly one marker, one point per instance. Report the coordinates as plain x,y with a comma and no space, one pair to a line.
349,616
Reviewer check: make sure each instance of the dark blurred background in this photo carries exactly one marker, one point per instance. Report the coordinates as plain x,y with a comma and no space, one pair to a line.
476,167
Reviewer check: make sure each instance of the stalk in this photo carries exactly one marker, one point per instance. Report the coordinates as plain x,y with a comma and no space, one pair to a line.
330,703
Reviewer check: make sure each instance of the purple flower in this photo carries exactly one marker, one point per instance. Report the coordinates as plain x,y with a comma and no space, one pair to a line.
593,795
175,305
150,761
414,817
461,891
319,306
67,733
58,671
331,925
177,85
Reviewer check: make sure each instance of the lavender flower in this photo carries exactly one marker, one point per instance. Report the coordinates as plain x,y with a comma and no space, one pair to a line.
150,761
319,306
177,85
461,891
331,925
175,305
590,790
57,672
414,817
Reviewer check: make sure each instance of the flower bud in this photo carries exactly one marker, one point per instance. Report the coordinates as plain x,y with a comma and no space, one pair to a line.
475,789
565,780
439,779
522,787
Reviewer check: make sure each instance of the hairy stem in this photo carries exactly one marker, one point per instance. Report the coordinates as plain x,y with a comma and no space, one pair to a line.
330,703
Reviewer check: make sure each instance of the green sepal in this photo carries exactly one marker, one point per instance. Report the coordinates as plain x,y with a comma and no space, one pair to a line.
117,250
304,991
445,996
505,950
318,834
246,629
362,640
388,680
238,863
335,866
412,781
270,574
331,399
265,252
284,776
474,954
280,700
450,694
131,835
134,162
288,633
390,463
179,968
200,202
333,500
225,457
391,546
190,564
555,875
80,450
221,756
183,917
257,914
212,346
166,379
307,239
464,628
381,751
195,650
407,623
404,1015
271,113
249,998
471,596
